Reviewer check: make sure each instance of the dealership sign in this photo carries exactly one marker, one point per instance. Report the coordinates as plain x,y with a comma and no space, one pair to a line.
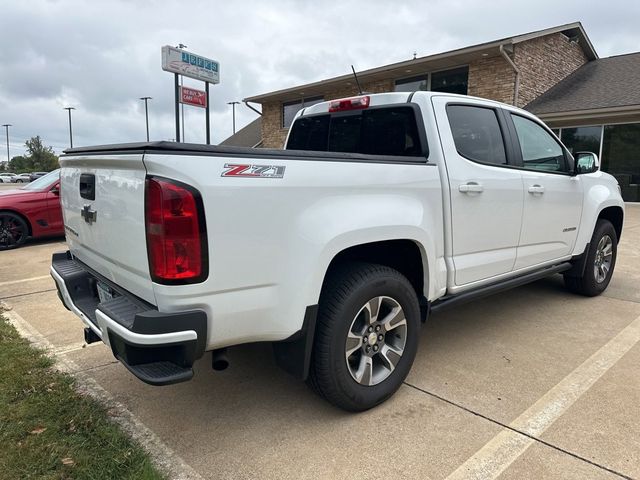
184,63
191,96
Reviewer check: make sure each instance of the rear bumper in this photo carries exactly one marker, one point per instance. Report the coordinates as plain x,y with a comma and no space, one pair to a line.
158,348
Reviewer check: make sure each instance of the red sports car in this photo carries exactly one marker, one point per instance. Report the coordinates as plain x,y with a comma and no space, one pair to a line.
32,211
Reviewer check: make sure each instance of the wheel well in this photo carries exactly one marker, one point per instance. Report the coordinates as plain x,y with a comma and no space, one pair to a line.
26,220
401,255
294,355
615,216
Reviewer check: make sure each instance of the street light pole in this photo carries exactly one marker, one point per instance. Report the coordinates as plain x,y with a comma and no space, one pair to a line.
68,109
233,106
6,126
146,113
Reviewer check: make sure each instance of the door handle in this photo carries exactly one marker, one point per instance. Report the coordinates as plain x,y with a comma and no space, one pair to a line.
471,187
536,189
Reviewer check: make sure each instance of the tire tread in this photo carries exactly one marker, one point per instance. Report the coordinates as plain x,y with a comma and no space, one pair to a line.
586,284
338,287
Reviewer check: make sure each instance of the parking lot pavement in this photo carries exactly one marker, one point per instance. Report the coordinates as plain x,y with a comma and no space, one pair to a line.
532,383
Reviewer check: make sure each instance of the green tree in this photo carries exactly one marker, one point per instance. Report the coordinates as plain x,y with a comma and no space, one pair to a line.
19,164
40,157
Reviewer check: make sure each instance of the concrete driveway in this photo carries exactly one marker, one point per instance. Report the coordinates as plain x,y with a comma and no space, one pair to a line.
532,383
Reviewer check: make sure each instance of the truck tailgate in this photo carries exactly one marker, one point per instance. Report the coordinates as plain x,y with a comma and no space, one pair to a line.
102,200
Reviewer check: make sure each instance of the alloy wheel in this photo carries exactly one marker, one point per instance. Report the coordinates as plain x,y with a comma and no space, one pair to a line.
376,341
11,232
603,259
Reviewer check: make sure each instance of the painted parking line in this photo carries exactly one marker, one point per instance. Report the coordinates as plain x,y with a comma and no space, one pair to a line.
24,280
503,449
163,456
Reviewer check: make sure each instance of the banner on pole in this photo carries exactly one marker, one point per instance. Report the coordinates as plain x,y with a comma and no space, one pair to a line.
191,96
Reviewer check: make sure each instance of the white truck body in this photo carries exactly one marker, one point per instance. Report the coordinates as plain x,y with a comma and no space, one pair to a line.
272,238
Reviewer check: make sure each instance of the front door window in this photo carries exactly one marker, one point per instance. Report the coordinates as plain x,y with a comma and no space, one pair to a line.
540,151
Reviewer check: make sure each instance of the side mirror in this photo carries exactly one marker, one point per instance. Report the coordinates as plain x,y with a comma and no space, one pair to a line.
586,162
55,189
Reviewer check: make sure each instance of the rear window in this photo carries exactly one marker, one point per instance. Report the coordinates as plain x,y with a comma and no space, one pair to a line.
376,131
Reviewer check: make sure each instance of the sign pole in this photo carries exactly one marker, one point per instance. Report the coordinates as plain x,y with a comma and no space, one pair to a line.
186,64
177,92
207,120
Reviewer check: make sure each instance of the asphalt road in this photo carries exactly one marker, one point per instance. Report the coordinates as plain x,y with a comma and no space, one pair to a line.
532,383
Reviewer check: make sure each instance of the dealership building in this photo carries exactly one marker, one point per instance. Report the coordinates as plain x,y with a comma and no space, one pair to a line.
592,103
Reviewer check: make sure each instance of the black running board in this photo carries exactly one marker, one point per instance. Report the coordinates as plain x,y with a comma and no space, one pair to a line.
160,373
464,297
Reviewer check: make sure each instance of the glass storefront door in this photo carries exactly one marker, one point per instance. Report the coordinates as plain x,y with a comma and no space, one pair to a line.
621,157
582,139
618,147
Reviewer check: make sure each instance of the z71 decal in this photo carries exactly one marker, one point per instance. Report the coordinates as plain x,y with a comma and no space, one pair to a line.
253,171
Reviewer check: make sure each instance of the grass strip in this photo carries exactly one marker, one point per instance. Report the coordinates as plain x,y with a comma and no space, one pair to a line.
50,431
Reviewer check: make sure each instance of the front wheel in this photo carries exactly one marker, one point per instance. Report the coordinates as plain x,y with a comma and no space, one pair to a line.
366,337
600,262
18,181
13,230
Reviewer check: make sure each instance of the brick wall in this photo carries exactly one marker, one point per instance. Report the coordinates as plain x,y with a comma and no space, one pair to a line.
543,62
273,135
492,78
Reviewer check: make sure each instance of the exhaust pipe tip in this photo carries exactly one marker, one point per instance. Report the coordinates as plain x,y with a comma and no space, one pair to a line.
219,359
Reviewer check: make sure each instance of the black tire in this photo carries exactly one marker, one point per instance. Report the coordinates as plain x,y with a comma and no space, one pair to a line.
18,181
588,284
13,230
347,290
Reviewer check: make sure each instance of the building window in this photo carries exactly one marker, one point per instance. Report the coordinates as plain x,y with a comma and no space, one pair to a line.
449,81
620,157
412,84
582,139
619,150
290,109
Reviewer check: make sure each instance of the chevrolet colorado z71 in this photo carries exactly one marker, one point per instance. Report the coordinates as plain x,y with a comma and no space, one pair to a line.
382,209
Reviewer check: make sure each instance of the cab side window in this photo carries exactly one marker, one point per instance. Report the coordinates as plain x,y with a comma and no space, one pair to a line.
540,151
477,134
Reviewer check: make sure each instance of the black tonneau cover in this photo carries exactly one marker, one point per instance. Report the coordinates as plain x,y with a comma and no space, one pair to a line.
175,148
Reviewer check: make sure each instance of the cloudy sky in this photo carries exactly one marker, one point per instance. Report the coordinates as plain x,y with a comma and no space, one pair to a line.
101,56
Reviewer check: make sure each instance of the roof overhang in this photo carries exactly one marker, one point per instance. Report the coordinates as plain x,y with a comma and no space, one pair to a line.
417,66
621,114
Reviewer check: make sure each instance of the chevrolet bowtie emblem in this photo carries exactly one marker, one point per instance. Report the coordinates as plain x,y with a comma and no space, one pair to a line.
89,215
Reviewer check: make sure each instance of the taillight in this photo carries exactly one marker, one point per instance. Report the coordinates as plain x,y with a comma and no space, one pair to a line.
176,232
353,103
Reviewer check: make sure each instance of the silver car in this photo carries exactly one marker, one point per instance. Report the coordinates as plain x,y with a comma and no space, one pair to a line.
22,178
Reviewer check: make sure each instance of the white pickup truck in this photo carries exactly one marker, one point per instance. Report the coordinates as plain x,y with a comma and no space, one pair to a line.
381,210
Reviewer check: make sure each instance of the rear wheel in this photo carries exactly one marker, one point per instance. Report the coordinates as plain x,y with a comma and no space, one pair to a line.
367,336
600,262
13,230
19,180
